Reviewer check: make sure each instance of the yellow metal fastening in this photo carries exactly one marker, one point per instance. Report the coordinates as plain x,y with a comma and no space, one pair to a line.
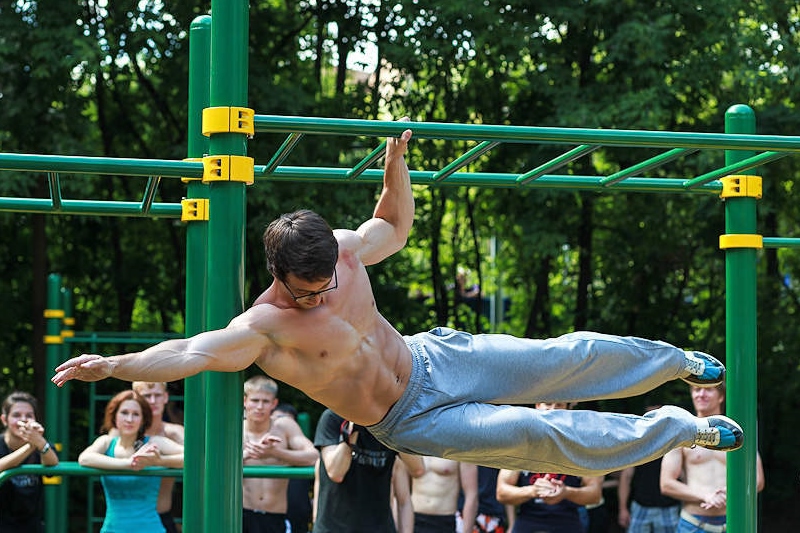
194,209
740,240
228,168
228,120
54,313
738,186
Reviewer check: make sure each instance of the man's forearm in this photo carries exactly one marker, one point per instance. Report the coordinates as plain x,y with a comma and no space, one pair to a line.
166,361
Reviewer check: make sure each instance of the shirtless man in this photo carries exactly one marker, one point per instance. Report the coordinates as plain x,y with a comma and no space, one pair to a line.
697,476
268,441
434,495
443,393
157,397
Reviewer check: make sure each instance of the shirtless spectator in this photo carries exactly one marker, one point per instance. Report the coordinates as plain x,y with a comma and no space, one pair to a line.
157,397
434,495
268,441
697,476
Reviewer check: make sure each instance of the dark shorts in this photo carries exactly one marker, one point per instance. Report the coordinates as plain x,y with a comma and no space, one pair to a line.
263,522
429,523
168,521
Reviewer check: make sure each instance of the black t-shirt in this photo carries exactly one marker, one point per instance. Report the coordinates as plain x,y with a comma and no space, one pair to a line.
21,498
535,515
645,489
360,503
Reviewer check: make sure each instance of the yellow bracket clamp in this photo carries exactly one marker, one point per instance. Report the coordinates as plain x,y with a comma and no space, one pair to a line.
739,186
740,240
228,168
53,339
54,313
228,120
194,209
51,480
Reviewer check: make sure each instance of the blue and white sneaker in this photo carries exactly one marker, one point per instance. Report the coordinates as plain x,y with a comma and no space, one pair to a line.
719,432
702,370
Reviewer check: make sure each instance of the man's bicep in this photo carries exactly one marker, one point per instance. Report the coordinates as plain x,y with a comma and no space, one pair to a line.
378,239
672,465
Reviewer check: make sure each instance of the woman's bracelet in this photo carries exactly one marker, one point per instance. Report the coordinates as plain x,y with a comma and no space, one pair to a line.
46,448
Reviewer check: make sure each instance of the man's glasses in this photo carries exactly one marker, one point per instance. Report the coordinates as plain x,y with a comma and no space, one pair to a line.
315,293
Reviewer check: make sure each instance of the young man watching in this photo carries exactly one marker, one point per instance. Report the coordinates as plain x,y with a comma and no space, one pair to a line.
268,441
697,476
157,397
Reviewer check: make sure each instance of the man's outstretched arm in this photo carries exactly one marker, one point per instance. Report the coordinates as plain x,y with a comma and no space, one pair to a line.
387,231
224,350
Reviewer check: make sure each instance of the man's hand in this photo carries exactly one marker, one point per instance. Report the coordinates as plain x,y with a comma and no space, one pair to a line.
396,146
549,489
263,449
147,455
87,367
716,500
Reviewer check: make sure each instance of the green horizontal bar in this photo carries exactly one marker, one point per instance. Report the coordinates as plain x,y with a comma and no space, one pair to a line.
556,162
54,184
101,165
741,166
781,242
527,134
150,193
284,151
367,162
89,207
486,179
72,468
120,338
646,165
464,160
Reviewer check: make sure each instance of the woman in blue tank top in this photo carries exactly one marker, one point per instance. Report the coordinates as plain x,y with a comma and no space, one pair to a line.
130,500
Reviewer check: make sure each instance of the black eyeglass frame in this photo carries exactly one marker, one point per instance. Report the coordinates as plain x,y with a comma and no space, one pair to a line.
315,293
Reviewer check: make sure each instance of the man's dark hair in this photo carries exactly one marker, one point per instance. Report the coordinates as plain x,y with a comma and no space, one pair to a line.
300,243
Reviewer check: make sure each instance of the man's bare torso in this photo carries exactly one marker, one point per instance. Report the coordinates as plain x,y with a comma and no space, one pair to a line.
436,491
704,470
265,494
342,353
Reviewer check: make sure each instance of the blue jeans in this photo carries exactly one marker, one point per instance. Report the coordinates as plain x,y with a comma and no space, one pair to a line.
455,404
653,519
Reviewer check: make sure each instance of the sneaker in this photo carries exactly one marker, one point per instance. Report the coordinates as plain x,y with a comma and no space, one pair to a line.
703,370
718,432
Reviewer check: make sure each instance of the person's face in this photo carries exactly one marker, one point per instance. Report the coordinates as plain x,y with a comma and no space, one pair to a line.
129,418
707,400
20,413
258,405
309,294
156,397
549,406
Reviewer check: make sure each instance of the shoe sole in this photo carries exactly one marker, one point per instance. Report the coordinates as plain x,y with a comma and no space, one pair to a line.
735,429
698,382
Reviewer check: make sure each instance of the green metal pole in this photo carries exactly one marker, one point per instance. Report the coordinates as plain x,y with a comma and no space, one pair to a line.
740,309
54,342
229,65
195,400
68,331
